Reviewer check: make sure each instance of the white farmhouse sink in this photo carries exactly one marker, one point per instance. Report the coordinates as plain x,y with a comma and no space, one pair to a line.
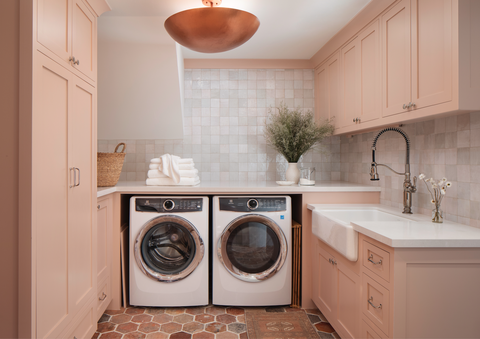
333,226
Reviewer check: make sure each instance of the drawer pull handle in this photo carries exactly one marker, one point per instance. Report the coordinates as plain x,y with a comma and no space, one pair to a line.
379,307
373,262
102,298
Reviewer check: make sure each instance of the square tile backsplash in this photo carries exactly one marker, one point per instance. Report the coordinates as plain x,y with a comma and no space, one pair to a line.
224,120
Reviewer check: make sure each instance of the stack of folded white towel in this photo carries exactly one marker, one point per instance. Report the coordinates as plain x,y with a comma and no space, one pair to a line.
172,170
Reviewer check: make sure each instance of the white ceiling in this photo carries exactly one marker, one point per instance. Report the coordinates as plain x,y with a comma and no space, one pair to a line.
288,29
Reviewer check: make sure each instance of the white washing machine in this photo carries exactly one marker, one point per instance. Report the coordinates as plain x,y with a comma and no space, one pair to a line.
169,251
252,263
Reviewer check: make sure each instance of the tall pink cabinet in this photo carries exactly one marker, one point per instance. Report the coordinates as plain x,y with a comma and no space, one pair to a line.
58,266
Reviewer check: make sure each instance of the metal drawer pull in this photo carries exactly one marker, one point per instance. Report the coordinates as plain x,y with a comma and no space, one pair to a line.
375,307
74,177
373,262
78,169
103,295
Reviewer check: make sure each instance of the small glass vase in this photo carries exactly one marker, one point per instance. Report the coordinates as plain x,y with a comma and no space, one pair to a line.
437,215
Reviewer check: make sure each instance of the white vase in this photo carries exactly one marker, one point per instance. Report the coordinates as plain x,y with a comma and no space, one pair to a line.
293,173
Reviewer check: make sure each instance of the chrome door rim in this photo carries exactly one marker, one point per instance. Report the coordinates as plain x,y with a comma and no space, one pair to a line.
199,249
236,272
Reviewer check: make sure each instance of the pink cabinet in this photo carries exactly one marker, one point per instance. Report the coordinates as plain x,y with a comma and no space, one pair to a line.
104,253
66,30
327,82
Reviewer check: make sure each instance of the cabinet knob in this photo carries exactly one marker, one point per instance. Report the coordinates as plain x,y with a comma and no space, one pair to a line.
98,207
74,61
102,298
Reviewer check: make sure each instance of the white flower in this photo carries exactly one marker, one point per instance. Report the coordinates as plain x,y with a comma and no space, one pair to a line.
449,184
421,176
444,179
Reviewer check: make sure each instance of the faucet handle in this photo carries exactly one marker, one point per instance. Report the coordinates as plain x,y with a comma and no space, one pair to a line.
415,182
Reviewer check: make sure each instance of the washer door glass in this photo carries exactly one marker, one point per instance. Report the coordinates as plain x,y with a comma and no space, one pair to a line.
252,248
168,248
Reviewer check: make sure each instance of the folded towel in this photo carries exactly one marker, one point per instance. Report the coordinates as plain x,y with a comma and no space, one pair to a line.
185,161
169,167
186,166
170,182
187,173
153,166
156,174
155,161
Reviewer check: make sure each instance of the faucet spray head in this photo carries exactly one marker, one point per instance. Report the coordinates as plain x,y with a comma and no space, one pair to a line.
373,172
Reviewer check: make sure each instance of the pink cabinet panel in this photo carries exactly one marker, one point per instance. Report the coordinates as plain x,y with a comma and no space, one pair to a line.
84,39
53,26
375,303
396,58
350,84
348,298
327,80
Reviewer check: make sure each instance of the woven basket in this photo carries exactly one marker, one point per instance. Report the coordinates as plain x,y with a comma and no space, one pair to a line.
109,167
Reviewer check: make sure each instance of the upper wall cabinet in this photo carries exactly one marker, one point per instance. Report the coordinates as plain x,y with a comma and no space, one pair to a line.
66,29
417,59
327,81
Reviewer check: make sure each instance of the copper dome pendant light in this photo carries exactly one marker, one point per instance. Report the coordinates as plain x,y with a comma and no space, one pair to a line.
213,29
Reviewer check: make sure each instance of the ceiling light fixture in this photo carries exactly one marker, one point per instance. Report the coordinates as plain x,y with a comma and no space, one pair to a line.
213,29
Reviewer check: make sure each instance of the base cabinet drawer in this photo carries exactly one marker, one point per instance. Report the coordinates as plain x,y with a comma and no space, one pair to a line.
104,296
376,260
86,327
375,303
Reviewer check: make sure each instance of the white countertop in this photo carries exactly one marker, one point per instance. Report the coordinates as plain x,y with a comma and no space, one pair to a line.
420,231
234,187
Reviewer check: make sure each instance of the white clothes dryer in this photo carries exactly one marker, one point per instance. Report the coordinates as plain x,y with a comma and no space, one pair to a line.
252,251
169,251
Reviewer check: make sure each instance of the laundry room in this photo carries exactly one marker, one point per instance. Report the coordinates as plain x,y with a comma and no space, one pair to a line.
226,169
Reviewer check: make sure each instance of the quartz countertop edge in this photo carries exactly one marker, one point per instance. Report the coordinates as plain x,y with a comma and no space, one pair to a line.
419,232
234,187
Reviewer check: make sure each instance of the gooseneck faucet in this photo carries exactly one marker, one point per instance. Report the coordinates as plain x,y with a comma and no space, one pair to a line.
408,187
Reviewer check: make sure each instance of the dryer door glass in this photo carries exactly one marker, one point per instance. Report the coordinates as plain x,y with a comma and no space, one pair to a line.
253,247
168,248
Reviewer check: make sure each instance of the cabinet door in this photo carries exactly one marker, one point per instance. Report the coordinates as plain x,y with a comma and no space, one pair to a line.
84,39
81,223
348,300
50,198
370,73
431,52
104,253
349,84
328,89
53,26
396,58
324,287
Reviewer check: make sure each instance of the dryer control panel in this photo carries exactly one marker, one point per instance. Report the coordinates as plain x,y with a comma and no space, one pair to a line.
165,205
246,204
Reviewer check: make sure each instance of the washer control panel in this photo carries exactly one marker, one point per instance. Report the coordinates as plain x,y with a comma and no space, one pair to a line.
248,204
165,205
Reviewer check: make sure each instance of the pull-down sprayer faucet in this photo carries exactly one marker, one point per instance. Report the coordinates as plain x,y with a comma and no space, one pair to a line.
408,188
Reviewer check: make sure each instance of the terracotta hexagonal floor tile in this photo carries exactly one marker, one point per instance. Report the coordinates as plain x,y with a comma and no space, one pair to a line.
195,310
157,335
241,319
215,310
134,335
314,318
121,318
237,328
243,335
226,319
324,327
127,327
115,312
95,335
175,310
148,327
183,318
235,311
313,311
215,327
142,318
155,310
104,318
105,327
162,318
111,335
180,335
192,327
204,318
226,335
171,327
204,335
135,310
